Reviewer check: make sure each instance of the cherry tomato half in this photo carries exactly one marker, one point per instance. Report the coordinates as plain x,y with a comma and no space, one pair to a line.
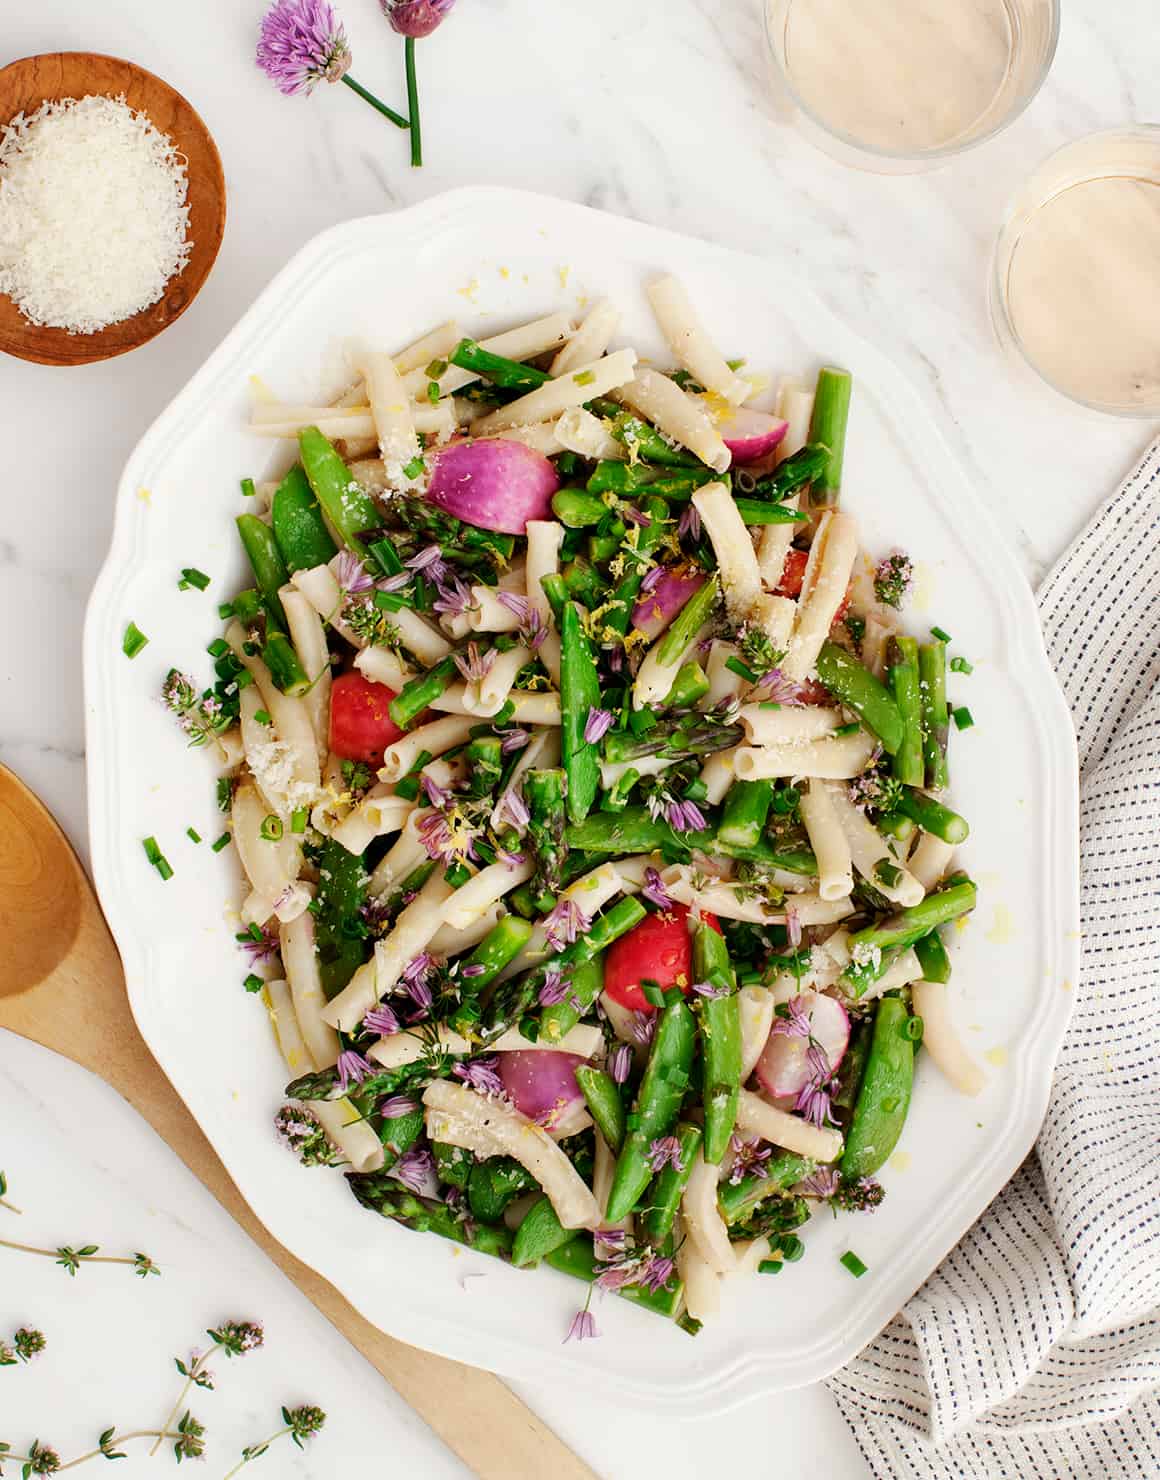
659,949
793,574
360,723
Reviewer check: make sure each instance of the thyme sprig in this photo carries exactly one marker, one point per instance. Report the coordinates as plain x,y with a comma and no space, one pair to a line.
235,1339
300,1423
72,1259
42,1459
4,1203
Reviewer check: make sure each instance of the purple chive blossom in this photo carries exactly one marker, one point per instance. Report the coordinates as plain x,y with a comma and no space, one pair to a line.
454,598
608,1242
652,580
511,811
654,891
566,922
635,516
620,1063
708,990
779,689
616,660
519,606
396,1106
689,526
797,1024
749,1158
513,860
481,1075
665,1151
475,667
415,978
813,1100
822,1183
381,1020
415,18
623,1269
437,795
597,725
657,1273
429,562
644,1025
554,989
394,583
262,948
473,969
352,1069
513,740
352,575
583,1326
416,1171
301,44
793,926
684,816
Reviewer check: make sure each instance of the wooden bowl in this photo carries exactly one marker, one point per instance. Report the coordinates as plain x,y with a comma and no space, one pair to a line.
24,85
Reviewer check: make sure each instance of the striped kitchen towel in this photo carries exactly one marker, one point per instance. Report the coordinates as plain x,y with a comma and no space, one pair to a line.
1034,1350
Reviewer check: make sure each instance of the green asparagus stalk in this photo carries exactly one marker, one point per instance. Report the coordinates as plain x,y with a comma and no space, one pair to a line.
583,583
509,375
414,697
383,1195
639,437
604,1103
737,1200
933,817
719,1022
658,1102
687,623
544,794
350,510
484,765
932,676
661,1204
869,947
579,692
903,676
690,685
933,958
691,735
619,477
746,810
754,511
828,426
280,658
577,509
857,688
800,467
555,588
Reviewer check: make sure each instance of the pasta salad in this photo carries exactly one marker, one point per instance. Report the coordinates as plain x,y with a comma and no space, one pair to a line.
591,802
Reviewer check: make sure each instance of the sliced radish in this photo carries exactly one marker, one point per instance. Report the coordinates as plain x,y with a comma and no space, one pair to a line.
540,1083
657,607
783,1069
750,435
492,483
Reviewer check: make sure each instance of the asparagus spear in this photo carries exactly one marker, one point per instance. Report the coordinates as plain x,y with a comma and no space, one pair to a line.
800,467
933,958
579,692
638,436
544,793
383,1195
414,697
719,1021
688,622
266,559
484,765
658,1101
690,685
746,810
933,817
509,375
737,1200
280,658
676,739
828,426
754,511
661,1205
932,676
860,691
903,678
870,948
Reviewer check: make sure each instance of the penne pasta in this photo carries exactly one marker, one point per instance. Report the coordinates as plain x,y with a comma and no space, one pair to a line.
756,1117
547,401
837,758
485,889
736,559
435,738
677,415
309,638
870,853
544,539
823,589
828,841
689,341
581,432
300,960
590,340
940,1040
788,725
521,343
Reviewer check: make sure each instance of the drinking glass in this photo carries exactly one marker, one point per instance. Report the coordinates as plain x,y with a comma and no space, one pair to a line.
1075,278
897,86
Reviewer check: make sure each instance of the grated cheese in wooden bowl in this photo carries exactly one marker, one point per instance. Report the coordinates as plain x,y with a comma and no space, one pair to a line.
93,213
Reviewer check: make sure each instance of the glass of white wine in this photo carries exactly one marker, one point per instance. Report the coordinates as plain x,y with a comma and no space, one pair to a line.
897,86
1075,279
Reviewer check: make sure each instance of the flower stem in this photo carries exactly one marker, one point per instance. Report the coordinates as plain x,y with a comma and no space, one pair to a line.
369,97
113,1442
194,1370
413,103
54,1253
245,1459
12,1208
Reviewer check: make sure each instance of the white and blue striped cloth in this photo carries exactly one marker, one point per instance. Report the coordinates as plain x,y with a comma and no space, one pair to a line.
1034,1350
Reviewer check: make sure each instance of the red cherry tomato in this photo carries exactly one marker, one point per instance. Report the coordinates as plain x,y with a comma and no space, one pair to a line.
793,574
360,723
659,949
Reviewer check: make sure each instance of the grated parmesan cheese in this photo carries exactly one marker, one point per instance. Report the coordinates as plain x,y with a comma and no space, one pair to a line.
93,213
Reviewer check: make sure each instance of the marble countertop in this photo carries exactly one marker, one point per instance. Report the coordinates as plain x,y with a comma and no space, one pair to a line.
660,111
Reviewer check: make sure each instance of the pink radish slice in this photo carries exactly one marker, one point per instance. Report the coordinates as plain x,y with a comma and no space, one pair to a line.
783,1069
657,608
540,1082
492,483
750,434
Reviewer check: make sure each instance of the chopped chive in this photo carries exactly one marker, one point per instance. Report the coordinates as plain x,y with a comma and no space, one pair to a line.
387,556
218,648
271,828
791,1247
433,392
735,665
847,729
191,576
193,835
770,1266
226,610
435,369
914,1029
962,717
225,793
502,716
585,377
158,859
851,1262
133,641
940,634
887,873
222,842
263,717
960,665
457,875
653,994
253,983
298,821
389,601
248,489
769,704
414,468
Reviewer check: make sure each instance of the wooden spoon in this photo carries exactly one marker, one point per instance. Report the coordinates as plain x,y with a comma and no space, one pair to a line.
62,986
24,86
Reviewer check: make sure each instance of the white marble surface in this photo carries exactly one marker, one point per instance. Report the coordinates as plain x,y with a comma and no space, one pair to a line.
657,110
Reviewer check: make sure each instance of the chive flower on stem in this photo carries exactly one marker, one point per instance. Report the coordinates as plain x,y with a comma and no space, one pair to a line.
414,19
513,740
454,599
382,1020
684,816
566,922
554,989
796,1023
475,665
481,1074
583,1327
793,926
511,811
777,689
663,1152
394,1107
416,1171
709,991
302,43
620,1063
749,1158
653,579
822,1183
689,525
644,1025
352,575
597,725
654,890
814,1098
352,1069
430,562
